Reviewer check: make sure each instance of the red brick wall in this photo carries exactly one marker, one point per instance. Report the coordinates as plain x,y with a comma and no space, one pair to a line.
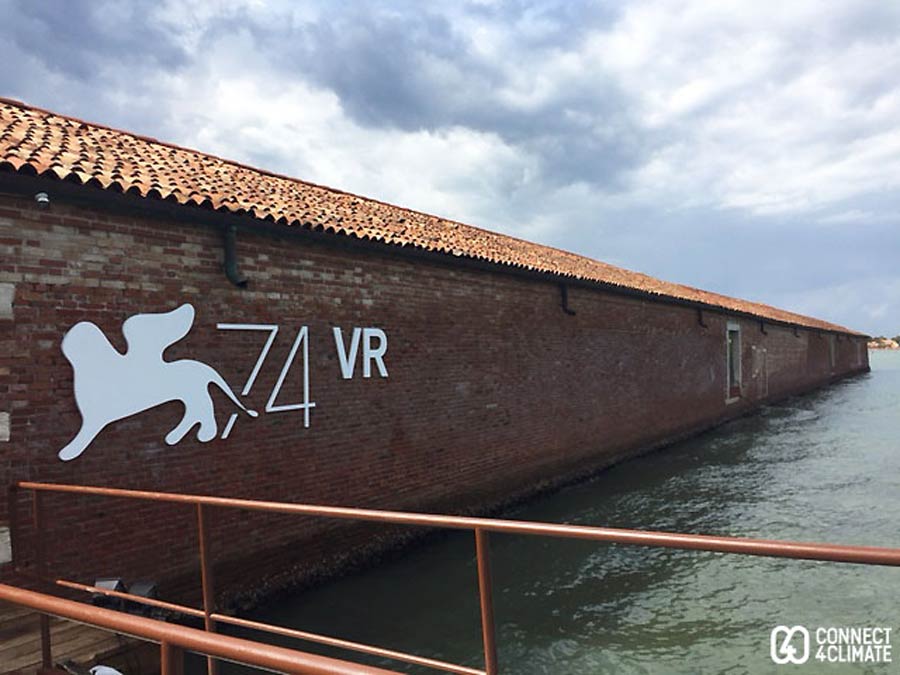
492,388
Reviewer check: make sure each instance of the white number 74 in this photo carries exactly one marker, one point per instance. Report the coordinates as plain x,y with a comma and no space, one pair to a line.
301,339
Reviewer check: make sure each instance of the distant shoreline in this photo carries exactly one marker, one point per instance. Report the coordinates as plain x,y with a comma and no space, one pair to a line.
883,343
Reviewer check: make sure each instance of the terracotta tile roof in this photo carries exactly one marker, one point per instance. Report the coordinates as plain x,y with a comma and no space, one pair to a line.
42,142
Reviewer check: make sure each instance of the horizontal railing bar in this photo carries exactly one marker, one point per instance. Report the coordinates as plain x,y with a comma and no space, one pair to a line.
278,630
868,555
346,644
259,655
151,602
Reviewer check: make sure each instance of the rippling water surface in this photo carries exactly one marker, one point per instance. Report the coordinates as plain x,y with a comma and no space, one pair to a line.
823,467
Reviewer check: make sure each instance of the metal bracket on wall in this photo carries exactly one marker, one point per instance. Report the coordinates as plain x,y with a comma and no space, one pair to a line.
762,328
796,332
564,299
700,318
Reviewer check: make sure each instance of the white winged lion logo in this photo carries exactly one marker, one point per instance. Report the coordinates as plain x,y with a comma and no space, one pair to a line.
110,386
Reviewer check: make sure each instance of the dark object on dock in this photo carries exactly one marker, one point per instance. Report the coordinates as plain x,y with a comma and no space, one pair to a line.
143,589
109,584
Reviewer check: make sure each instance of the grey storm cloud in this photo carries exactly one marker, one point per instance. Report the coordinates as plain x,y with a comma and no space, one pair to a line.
81,38
406,66
749,148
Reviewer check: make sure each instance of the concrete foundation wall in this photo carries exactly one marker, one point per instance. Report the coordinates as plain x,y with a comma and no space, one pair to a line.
492,388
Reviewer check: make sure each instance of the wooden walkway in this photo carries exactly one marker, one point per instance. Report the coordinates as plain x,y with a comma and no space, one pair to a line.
20,642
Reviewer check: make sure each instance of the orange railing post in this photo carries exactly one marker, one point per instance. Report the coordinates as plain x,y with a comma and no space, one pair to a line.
486,600
171,659
206,579
12,512
40,563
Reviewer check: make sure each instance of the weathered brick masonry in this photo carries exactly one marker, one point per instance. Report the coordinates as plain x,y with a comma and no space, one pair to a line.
493,389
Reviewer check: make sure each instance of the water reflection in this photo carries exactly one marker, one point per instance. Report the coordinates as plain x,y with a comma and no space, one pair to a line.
823,467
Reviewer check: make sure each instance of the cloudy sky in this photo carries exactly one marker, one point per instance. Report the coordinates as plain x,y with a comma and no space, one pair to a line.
752,148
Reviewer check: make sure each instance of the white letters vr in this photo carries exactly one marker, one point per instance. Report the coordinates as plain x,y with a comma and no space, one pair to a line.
110,386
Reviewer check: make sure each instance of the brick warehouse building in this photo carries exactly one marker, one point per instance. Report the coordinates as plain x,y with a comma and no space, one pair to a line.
418,363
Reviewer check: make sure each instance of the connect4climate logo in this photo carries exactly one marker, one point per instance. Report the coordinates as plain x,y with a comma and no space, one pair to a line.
789,645
831,644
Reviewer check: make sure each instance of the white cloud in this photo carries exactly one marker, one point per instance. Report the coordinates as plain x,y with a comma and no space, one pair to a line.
608,137
224,107
765,108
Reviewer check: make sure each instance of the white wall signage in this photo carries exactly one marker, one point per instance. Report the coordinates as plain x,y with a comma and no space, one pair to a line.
110,386
371,354
301,339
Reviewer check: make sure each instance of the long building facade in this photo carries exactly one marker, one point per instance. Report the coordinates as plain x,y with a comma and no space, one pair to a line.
171,321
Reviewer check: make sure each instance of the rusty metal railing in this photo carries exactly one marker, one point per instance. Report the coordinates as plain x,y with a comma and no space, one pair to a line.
174,639
481,527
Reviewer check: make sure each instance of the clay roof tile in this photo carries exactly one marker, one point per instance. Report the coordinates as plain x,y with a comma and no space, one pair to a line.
37,141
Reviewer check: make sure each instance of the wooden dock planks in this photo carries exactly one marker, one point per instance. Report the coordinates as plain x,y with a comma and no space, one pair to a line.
20,641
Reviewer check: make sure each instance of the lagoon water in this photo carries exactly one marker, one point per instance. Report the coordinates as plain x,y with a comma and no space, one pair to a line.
823,467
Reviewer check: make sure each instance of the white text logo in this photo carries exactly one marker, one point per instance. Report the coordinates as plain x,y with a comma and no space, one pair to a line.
110,386
833,644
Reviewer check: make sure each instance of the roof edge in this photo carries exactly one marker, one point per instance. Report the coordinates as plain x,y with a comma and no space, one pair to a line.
69,175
